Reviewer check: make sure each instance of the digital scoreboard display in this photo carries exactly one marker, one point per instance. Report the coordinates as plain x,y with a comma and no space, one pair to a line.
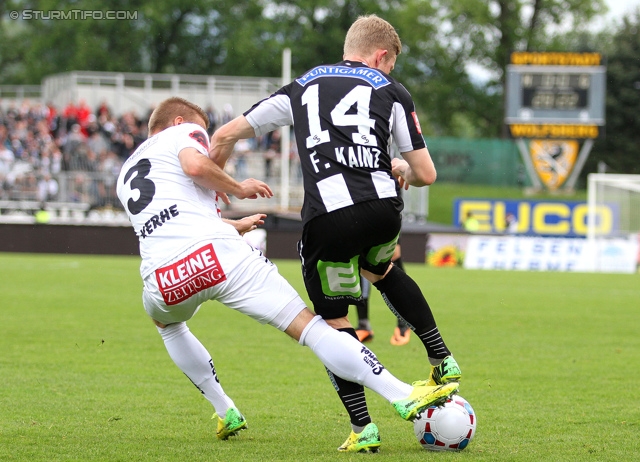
560,91
557,95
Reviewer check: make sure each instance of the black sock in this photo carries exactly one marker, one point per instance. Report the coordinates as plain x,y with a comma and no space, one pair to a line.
352,394
363,309
403,296
402,324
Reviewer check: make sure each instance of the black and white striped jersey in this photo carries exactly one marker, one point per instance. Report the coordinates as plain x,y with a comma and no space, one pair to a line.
345,117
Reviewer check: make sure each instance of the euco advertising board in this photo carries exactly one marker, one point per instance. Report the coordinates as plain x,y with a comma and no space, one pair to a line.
535,218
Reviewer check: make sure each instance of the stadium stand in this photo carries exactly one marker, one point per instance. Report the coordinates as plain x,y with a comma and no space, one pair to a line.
69,158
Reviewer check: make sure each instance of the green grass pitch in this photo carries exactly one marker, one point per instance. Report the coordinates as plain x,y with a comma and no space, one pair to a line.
550,365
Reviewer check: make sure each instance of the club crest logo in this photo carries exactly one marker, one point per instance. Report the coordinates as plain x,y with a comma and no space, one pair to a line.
553,160
200,138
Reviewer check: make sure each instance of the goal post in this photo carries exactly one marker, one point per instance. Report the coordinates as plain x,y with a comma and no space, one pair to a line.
613,216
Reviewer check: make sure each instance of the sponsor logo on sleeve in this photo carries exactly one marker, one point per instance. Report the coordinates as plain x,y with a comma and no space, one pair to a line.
196,272
416,122
200,138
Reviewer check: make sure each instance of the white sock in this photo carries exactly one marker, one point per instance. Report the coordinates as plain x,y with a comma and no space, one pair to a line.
351,360
195,362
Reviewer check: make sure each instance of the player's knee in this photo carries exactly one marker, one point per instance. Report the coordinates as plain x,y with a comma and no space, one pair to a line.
159,324
339,323
373,278
171,331
299,323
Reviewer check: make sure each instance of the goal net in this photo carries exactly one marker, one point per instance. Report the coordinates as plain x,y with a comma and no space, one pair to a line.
613,219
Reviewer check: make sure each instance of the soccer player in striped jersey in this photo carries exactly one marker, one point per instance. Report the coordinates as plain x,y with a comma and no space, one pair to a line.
170,188
345,118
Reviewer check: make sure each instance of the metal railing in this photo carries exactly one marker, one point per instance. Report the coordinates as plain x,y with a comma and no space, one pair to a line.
90,197
10,94
138,92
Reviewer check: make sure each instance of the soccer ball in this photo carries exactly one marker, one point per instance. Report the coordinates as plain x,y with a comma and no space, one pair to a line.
450,427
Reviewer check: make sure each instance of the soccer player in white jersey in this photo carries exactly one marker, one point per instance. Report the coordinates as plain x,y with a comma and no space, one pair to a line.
169,188
345,117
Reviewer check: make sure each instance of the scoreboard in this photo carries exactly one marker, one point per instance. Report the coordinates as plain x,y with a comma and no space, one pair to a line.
561,91
555,95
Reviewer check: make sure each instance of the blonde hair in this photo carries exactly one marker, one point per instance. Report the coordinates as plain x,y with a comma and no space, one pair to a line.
163,116
370,33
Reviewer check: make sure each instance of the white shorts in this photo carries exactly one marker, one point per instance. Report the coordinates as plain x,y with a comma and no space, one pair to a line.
229,271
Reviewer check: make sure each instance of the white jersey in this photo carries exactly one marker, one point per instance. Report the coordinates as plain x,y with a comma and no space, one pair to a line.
168,211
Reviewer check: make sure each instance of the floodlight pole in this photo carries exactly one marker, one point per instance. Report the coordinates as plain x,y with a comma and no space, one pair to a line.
526,159
577,168
285,141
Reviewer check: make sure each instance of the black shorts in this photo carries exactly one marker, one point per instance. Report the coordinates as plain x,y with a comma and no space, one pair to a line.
336,245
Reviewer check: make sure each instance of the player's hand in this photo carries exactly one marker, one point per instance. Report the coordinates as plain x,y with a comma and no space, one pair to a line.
399,169
246,224
252,188
224,197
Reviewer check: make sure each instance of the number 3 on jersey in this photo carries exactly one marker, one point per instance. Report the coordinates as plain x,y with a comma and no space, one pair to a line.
359,96
141,183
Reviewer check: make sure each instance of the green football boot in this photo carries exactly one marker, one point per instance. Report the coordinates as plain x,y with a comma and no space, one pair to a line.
368,440
423,396
445,372
232,423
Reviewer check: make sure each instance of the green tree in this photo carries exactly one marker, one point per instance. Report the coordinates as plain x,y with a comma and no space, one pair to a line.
619,148
315,29
446,44
34,48
477,35
217,37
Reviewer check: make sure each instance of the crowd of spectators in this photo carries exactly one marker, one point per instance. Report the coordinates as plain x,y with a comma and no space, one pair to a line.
74,153
42,146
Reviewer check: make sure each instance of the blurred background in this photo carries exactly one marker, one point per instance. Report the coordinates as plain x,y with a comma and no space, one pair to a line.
78,81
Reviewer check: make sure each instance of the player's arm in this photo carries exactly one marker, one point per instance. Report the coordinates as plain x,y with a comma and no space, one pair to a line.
225,138
416,168
246,224
204,172
263,117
